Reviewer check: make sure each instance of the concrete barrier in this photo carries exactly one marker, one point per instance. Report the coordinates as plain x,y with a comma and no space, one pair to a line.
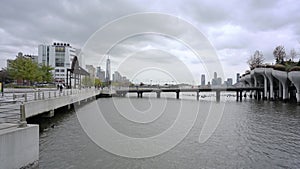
19,147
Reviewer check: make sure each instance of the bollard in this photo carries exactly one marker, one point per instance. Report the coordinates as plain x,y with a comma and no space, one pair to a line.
25,96
39,95
34,95
14,97
49,95
22,122
43,96
54,94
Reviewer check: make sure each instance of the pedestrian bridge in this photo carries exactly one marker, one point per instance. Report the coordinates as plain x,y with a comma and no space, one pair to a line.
239,91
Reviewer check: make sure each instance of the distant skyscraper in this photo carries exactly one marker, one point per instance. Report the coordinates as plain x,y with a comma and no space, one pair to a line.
202,79
108,69
91,70
229,81
237,77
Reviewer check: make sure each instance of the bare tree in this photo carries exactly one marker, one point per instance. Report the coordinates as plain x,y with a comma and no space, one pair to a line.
279,54
293,54
256,59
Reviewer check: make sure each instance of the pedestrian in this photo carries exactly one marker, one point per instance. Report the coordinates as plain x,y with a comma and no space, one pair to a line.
60,87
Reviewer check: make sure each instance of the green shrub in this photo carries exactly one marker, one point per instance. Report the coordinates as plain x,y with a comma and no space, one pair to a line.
294,68
279,67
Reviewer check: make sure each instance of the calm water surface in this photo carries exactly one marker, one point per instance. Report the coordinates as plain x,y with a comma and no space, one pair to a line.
250,134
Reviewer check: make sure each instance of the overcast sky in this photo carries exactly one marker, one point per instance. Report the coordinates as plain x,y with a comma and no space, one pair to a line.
235,28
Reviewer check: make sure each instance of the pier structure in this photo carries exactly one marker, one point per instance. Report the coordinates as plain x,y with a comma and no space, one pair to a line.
238,90
277,84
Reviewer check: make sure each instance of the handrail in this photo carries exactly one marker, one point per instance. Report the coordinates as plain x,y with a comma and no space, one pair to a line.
13,114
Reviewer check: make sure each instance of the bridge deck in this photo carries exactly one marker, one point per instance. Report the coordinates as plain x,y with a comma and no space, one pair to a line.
212,89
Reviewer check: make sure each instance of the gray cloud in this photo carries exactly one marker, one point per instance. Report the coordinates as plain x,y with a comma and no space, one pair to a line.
235,28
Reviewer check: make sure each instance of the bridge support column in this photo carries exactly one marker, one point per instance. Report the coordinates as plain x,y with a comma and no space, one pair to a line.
177,95
259,95
271,97
265,88
237,95
280,91
218,95
158,94
197,95
140,94
285,92
255,85
241,95
49,114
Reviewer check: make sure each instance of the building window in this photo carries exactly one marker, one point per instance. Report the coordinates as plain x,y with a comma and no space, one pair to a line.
62,70
56,70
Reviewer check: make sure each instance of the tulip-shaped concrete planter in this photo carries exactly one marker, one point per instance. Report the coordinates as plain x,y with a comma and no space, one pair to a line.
294,77
268,73
261,71
282,77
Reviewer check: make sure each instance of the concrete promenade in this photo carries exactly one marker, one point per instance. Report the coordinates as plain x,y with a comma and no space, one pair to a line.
19,141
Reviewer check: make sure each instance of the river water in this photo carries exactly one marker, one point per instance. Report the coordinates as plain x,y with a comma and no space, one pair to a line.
250,134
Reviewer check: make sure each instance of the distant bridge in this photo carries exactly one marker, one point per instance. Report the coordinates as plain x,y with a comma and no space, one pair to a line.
239,91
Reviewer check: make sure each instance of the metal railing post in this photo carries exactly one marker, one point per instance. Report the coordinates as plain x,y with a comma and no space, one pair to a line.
49,95
43,96
25,96
34,95
23,122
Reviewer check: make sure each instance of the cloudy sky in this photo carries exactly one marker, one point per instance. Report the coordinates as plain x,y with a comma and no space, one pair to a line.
234,28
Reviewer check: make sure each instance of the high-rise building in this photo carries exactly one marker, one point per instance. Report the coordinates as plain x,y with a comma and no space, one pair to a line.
100,74
117,77
202,79
238,77
229,81
216,80
91,69
59,56
107,69
215,75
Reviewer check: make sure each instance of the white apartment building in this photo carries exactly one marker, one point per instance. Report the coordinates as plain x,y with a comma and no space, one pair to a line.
59,56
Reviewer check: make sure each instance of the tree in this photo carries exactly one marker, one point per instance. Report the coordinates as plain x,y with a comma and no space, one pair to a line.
23,69
87,81
293,54
45,74
97,82
279,54
256,59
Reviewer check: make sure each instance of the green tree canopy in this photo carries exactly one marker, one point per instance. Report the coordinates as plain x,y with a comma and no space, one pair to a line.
45,74
87,81
23,68
97,82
